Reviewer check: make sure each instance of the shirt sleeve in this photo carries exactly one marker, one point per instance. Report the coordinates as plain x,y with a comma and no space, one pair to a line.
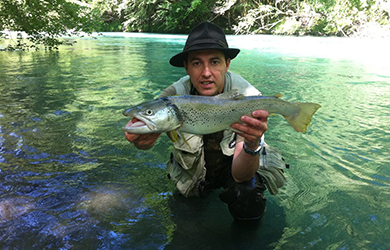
170,91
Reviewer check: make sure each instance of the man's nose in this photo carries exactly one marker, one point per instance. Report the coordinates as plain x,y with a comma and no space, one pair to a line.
206,72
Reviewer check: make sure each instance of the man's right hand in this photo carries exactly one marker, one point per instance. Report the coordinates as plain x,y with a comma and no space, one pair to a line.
144,141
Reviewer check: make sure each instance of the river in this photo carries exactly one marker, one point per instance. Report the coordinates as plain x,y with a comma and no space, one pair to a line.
70,180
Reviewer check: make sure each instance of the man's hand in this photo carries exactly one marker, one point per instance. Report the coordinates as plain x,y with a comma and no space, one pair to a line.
253,127
145,141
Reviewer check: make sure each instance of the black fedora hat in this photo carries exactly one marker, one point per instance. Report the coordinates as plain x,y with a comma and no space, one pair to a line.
204,36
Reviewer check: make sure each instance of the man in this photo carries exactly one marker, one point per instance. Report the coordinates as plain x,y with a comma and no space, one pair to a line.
225,159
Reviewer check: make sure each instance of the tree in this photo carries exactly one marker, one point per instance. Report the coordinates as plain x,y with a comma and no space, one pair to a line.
310,17
44,21
168,16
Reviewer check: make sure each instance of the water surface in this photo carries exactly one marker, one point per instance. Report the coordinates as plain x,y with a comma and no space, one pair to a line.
70,180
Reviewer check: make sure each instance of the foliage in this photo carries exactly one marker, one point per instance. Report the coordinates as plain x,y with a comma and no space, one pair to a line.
110,14
171,16
19,45
314,17
44,21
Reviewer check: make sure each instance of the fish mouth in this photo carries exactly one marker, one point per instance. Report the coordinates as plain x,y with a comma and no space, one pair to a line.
137,122
140,123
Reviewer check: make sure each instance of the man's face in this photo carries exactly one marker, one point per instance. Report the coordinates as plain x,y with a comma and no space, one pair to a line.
207,69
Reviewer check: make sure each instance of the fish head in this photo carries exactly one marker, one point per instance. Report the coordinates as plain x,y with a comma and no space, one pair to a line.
155,116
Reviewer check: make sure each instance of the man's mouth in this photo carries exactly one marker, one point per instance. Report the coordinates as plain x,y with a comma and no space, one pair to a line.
206,83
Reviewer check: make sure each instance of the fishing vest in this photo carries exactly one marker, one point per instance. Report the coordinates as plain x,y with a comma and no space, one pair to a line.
186,166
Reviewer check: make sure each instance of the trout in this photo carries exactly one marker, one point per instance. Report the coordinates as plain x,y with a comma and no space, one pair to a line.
209,114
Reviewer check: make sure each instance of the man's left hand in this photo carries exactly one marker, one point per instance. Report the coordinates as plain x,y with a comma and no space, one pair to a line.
253,127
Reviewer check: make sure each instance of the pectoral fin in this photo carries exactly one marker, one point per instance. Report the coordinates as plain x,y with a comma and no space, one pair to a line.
174,137
184,139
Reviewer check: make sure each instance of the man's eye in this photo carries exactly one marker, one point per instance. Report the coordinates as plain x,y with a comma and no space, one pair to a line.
215,62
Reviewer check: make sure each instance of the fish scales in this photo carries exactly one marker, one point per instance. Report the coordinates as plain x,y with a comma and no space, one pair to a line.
205,114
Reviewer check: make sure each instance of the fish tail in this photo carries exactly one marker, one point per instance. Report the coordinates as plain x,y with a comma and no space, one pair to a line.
301,119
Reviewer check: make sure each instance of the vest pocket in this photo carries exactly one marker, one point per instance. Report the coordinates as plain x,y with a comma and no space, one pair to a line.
189,144
187,173
271,167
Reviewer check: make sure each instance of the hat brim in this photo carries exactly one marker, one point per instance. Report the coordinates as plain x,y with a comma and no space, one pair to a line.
177,60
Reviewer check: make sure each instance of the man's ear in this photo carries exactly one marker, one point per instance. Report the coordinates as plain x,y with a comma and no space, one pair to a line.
228,64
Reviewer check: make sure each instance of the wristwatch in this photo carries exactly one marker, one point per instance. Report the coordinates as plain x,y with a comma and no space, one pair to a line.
252,152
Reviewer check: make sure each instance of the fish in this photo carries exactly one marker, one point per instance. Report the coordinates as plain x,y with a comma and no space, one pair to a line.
209,114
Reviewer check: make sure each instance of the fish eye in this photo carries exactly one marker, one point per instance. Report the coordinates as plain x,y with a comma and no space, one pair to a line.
149,112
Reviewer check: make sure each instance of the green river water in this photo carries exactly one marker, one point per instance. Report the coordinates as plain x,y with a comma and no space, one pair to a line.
70,180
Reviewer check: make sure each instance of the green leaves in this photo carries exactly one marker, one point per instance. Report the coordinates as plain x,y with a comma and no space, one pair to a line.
45,21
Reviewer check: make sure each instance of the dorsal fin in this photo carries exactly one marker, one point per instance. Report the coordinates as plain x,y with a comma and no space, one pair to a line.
230,95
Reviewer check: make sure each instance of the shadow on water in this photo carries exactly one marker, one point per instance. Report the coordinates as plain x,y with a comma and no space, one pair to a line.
206,224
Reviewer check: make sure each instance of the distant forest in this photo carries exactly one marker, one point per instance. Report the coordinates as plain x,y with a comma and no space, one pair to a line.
46,20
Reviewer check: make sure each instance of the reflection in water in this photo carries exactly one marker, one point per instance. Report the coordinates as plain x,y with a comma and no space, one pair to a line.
207,224
69,179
